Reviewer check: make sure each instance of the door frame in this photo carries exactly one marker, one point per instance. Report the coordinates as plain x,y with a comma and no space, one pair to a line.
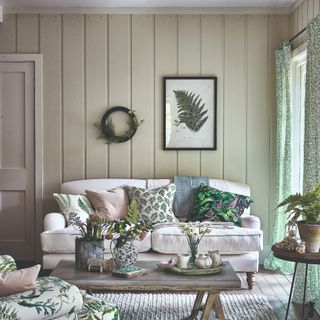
38,138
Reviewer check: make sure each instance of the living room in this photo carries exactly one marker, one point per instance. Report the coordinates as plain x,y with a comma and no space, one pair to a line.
73,61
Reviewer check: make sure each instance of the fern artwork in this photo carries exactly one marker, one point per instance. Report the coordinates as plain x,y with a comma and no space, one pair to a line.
191,110
190,107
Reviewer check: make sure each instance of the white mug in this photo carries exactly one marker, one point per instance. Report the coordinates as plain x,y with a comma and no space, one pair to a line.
183,261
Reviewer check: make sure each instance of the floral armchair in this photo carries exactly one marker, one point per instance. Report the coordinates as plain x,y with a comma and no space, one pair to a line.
52,298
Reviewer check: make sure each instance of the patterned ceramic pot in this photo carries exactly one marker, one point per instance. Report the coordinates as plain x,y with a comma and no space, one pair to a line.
125,254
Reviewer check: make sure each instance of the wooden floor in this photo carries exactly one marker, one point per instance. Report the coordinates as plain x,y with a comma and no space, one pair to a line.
276,287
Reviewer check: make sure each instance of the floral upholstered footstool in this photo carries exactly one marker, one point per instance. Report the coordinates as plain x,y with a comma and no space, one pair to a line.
94,309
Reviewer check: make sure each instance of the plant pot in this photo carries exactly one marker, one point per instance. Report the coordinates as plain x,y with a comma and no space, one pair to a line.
310,234
125,254
88,249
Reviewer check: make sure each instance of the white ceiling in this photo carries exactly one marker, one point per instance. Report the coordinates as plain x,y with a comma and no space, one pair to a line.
150,3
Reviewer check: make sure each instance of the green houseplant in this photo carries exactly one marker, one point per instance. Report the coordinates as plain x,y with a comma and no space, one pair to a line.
304,211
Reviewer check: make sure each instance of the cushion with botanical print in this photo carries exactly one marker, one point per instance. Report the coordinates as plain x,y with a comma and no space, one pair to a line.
74,207
154,205
216,205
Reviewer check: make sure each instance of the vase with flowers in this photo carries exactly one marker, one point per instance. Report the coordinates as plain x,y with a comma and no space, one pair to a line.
122,234
91,243
194,233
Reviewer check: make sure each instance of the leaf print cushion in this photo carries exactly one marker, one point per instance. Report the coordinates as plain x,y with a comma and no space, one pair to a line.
154,205
74,207
216,205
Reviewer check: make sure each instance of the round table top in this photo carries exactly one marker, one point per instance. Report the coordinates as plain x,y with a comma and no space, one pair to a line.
311,258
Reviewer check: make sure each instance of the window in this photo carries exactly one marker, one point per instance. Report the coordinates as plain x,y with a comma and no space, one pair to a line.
298,97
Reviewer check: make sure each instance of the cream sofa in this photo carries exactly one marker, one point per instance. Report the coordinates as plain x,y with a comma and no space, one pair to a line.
238,245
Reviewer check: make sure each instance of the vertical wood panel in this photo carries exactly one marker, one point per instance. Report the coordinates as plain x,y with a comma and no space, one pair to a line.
120,88
50,45
28,33
8,34
96,78
73,98
316,7
235,99
213,64
278,32
310,10
143,95
257,113
304,13
165,65
189,64
300,23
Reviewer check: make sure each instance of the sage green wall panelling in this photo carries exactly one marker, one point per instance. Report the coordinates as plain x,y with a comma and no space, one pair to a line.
143,94
50,47
96,58
73,97
95,61
8,34
120,88
28,33
235,99
166,63
278,31
189,64
257,113
212,63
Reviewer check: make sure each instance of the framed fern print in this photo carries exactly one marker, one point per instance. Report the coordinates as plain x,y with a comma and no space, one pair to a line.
190,113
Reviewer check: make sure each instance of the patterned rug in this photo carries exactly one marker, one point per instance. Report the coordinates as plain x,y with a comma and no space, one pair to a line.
166,306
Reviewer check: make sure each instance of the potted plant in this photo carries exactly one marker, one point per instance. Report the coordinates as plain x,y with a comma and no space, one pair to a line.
91,243
122,234
304,211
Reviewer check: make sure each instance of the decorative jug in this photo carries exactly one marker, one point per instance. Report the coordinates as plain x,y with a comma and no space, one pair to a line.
203,261
215,257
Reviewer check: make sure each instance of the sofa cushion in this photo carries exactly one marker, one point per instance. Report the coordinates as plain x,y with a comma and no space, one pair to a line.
63,241
216,205
154,205
112,203
74,207
168,239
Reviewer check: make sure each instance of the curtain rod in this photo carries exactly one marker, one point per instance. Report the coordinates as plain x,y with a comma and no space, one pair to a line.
298,34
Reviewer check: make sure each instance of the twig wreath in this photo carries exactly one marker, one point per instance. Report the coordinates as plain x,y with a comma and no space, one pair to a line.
106,126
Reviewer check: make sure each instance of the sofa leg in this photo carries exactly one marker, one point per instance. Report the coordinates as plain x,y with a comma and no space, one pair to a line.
251,279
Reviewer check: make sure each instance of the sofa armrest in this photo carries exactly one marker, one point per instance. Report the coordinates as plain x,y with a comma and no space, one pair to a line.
251,222
54,221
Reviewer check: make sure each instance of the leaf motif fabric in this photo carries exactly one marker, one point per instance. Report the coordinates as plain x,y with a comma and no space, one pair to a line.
7,263
74,207
216,205
154,205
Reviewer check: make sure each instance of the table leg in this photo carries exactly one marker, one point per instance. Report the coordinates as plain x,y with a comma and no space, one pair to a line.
208,306
291,290
196,306
304,290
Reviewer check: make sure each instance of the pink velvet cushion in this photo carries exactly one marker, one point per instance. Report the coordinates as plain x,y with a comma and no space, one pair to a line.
12,282
113,203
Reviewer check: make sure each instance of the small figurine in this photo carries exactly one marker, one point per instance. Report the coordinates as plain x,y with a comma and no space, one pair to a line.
301,247
100,265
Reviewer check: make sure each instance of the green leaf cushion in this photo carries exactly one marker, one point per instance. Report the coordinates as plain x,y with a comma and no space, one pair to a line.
216,205
74,207
154,205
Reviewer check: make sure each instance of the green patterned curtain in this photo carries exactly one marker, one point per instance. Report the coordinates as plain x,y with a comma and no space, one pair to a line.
284,150
311,170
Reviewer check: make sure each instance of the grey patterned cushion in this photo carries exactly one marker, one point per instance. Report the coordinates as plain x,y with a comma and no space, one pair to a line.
74,207
154,205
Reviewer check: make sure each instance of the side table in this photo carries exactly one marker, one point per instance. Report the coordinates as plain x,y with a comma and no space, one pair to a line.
306,258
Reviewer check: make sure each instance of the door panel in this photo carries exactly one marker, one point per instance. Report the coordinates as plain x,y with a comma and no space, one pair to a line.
17,211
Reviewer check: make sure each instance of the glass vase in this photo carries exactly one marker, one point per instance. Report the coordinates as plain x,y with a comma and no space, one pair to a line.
193,248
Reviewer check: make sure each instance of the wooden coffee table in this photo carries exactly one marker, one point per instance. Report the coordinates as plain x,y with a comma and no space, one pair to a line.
159,281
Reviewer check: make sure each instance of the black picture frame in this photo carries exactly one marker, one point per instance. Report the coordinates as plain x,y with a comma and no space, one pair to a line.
195,127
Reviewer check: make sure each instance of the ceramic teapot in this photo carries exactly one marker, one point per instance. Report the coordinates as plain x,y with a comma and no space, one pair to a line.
203,261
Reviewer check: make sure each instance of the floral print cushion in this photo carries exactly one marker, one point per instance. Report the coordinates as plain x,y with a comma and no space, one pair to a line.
216,205
7,263
74,207
154,205
53,298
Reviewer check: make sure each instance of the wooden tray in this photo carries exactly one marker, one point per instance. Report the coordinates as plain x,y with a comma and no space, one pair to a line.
195,271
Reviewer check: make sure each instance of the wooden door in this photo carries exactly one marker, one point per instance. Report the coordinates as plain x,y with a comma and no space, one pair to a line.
17,178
